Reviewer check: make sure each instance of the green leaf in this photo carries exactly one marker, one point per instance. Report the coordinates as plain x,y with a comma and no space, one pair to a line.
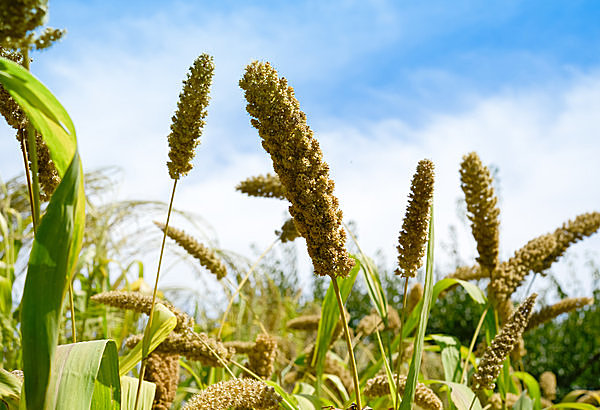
577,406
374,288
51,264
476,294
85,375
425,305
524,403
163,323
450,355
128,392
462,397
532,387
330,316
10,390
43,110
289,402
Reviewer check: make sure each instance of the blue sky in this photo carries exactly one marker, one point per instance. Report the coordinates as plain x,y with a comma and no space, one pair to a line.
384,84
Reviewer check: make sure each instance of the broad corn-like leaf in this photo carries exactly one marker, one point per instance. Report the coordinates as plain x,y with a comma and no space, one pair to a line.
462,397
51,264
85,375
43,110
163,323
129,389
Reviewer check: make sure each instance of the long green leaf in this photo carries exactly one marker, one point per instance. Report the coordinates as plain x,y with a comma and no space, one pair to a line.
476,294
450,355
129,389
533,388
51,265
330,317
85,375
576,406
163,323
523,403
462,397
415,364
43,110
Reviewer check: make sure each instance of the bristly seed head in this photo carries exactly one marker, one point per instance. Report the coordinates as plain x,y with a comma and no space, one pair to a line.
413,237
298,161
188,120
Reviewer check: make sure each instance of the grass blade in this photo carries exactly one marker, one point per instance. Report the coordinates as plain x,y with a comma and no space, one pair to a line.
164,322
10,390
128,391
413,373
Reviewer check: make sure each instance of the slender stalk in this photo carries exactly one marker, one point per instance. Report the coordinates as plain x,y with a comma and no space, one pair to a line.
401,345
241,285
472,345
146,339
338,296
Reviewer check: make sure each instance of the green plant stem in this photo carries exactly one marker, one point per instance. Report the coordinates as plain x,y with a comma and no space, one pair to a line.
242,283
146,339
338,296
73,329
472,345
401,345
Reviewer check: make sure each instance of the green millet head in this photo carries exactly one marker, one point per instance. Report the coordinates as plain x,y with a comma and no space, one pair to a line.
188,120
413,237
298,161
504,343
476,183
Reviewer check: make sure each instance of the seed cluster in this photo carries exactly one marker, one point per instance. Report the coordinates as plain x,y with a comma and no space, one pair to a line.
550,312
207,257
266,186
413,236
163,370
188,121
504,342
138,302
238,394
262,356
298,161
476,183
424,397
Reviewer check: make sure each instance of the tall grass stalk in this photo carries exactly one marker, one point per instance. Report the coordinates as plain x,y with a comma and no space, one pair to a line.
242,283
146,340
472,345
401,345
353,369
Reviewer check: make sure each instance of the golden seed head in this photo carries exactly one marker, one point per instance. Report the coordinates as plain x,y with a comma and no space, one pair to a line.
298,161
194,346
18,18
424,397
288,231
239,346
477,184
414,296
47,173
266,186
413,236
237,393
163,370
504,343
333,365
262,356
138,302
188,121
369,324
10,110
509,275
207,257
548,385
307,322
469,273
548,313
495,401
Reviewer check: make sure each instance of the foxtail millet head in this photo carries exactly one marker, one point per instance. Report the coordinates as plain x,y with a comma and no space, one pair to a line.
188,120
298,161
413,236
